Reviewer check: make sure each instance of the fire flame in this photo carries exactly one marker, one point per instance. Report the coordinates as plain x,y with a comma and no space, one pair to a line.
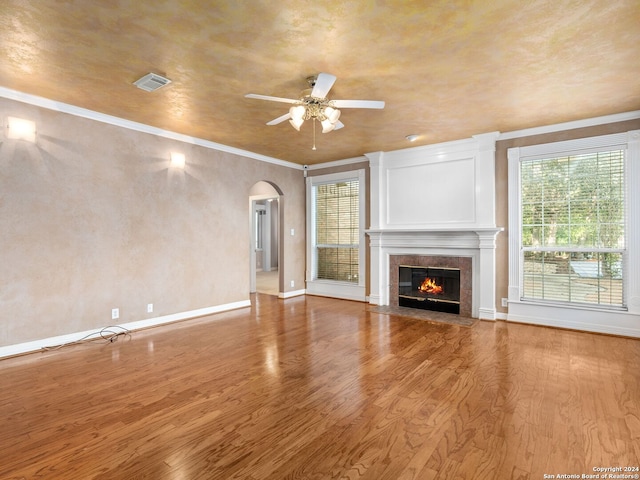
430,286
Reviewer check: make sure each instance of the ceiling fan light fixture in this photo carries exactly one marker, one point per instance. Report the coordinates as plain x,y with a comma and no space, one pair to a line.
297,113
412,138
296,122
327,125
333,114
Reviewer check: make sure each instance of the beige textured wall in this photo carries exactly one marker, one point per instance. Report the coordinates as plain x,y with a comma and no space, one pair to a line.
502,190
92,218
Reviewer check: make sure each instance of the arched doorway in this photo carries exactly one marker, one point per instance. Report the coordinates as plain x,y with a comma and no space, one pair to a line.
265,242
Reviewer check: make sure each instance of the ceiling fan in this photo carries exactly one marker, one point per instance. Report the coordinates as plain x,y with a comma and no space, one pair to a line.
313,104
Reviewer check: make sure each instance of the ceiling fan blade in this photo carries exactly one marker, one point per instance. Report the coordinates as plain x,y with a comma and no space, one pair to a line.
280,119
358,103
272,99
324,82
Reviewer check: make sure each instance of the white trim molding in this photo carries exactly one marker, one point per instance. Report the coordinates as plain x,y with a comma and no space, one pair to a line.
560,127
36,345
336,163
293,293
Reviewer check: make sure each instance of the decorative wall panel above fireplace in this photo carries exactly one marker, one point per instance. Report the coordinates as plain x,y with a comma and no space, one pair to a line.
436,186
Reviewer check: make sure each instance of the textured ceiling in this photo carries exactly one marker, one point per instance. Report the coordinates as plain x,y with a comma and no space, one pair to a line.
447,69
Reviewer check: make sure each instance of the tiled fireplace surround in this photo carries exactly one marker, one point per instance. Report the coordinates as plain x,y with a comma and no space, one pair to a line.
439,261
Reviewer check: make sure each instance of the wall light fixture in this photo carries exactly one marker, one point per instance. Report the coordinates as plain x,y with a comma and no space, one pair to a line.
177,160
20,129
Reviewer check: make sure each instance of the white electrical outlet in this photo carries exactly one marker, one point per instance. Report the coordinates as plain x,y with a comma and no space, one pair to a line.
115,313
504,302
149,307
293,283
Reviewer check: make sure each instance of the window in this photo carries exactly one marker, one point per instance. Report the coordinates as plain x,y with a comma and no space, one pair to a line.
569,214
336,232
573,227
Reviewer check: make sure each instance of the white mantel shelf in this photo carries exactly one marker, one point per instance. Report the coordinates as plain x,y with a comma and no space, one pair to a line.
437,229
451,237
440,232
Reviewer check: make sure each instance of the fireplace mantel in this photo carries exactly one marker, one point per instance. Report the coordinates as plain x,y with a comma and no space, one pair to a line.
471,237
476,243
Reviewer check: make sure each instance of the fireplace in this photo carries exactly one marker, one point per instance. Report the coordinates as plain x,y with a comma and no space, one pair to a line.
447,268
460,230
429,288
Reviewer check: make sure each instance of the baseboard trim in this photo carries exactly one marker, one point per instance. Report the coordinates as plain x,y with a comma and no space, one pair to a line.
575,325
88,335
343,290
294,293
487,314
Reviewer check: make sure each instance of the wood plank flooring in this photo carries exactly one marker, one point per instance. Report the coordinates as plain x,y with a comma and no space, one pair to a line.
317,388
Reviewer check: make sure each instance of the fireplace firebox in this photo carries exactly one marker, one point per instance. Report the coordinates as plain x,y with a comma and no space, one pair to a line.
429,288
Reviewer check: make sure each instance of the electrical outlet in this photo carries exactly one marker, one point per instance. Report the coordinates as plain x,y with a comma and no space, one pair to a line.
115,313
149,307
505,302
293,283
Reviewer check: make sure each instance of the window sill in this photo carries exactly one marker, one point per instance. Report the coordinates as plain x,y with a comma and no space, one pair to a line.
572,306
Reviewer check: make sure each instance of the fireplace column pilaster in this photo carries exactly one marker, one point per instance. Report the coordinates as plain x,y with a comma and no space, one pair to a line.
378,274
487,260
378,277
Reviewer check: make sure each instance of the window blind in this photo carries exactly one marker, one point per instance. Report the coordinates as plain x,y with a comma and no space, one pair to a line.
337,230
573,227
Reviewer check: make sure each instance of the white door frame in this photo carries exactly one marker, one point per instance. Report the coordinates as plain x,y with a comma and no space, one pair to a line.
266,259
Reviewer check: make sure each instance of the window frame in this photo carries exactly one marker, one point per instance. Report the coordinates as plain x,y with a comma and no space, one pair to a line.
325,287
594,317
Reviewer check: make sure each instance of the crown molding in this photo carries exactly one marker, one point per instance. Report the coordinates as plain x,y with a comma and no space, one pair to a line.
559,127
337,163
139,127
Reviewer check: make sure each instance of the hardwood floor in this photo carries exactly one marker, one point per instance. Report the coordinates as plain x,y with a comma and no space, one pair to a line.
316,388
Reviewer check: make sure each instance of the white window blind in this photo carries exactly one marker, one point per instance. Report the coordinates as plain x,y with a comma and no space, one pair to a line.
573,228
337,231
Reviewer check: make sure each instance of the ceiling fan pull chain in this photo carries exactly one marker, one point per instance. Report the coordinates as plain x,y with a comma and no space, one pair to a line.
314,134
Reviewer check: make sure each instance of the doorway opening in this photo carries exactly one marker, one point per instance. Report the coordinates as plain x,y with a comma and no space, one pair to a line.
265,255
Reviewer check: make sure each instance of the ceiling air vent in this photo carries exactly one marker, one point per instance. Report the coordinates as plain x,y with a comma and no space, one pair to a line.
151,82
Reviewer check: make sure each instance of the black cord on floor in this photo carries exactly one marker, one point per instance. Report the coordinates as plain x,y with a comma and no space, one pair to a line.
109,334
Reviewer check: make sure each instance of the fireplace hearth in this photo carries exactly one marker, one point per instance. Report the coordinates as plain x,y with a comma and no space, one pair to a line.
429,288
